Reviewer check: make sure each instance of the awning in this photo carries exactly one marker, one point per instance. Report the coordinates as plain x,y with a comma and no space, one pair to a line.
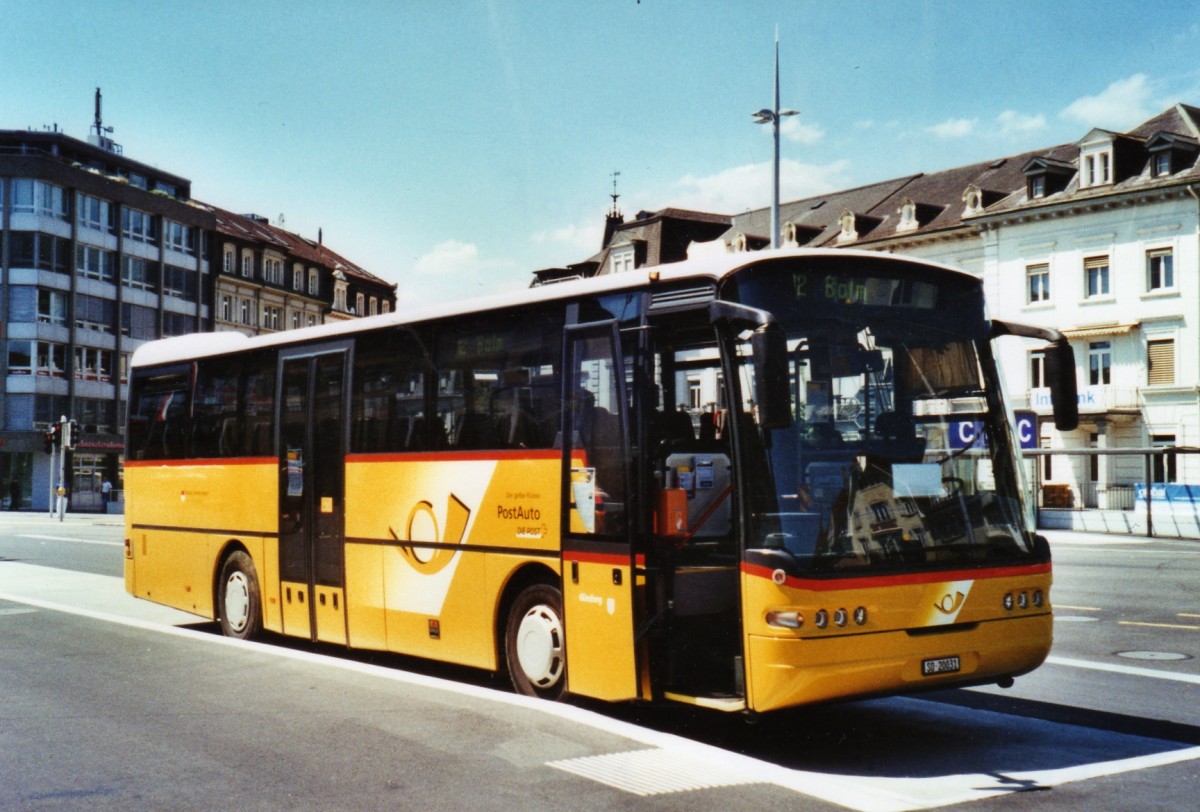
1094,330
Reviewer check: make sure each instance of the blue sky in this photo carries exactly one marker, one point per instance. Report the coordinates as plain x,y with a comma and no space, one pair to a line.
454,147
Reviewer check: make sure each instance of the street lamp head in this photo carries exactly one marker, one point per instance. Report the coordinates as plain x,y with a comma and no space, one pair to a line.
789,112
763,116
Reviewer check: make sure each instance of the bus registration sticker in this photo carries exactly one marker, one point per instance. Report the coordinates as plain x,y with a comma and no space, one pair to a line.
942,665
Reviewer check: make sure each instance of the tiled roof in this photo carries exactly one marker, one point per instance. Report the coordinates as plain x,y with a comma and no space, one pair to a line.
249,228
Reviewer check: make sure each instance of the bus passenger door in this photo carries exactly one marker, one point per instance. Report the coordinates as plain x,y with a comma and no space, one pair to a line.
312,450
600,577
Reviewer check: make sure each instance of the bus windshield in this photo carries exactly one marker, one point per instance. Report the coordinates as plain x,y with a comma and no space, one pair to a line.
899,455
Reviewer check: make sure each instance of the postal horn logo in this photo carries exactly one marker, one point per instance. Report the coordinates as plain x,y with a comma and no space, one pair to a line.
950,603
422,526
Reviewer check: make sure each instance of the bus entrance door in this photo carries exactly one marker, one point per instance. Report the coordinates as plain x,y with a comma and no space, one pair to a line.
312,431
600,579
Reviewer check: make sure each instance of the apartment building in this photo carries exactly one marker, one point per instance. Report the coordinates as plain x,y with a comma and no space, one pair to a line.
100,253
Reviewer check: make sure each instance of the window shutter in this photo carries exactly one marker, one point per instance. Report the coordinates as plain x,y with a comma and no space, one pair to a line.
1160,362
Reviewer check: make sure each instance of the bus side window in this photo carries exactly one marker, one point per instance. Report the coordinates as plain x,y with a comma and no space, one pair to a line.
216,422
158,422
258,406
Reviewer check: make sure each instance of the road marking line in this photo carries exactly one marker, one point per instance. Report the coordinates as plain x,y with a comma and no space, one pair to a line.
1078,608
862,793
1187,614
1158,625
72,540
1128,670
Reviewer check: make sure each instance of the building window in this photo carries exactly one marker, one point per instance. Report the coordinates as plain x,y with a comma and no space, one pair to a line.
1163,464
1038,283
1160,362
1099,363
247,264
226,307
138,273
245,313
313,283
298,277
92,364
94,263
96,214
1037,370
1096,168
374,306
94,313
179,237
359,307
180,282
295,319
138,225
622,259
1160,269
1161,163
228,263
272,316
1037,186
387,306
38,197
1095,272
272,271
52,307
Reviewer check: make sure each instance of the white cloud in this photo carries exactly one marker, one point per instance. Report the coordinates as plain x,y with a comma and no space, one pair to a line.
1122,104
792,129
749,186
580,240
954,128
1013,123
451,258
455,270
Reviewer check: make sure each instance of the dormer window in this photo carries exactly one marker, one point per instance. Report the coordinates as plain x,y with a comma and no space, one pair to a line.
1170,153
1046,176
1095,167
1161,164
973,198
621,259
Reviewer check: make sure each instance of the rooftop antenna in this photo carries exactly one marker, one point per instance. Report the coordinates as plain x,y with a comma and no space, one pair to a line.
614,212
100,132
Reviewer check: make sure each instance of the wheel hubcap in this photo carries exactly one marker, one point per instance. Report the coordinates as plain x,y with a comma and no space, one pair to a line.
540,647
237,601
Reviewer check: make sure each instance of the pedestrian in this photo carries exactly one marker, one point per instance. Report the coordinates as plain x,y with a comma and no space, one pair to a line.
106,490
14,493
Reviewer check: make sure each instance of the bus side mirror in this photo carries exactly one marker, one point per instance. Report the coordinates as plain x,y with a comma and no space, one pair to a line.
768,345
1064,392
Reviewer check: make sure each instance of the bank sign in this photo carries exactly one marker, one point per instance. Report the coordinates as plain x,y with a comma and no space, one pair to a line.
969,433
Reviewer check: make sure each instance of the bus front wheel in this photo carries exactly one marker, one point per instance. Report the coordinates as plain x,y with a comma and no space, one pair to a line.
534,644
239,604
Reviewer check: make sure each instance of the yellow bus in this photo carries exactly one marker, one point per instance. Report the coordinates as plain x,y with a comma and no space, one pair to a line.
744,482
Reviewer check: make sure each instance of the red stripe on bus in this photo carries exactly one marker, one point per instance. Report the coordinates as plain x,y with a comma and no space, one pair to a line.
203,461
457,456
610,559
876,581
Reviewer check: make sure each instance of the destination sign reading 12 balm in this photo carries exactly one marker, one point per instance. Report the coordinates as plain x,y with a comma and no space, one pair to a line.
844,289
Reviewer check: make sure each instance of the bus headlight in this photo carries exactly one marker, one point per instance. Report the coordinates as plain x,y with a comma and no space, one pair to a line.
785,620
821,619
1038,598
1008,601
840,617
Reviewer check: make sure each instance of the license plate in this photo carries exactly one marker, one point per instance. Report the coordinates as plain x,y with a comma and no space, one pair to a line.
942,665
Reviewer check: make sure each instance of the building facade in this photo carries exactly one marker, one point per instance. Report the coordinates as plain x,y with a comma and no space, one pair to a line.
1099,238
100,253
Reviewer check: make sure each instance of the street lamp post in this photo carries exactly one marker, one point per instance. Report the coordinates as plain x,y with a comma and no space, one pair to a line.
773,117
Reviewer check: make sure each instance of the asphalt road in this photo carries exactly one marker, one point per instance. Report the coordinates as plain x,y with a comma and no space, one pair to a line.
114,703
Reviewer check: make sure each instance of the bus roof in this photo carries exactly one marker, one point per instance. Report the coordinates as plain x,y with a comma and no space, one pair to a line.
713,267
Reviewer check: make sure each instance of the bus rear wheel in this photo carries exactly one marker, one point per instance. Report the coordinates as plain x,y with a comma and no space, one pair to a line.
239,602
534,644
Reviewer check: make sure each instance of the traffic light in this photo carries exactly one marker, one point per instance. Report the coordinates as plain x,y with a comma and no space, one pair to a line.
52,439
70,434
